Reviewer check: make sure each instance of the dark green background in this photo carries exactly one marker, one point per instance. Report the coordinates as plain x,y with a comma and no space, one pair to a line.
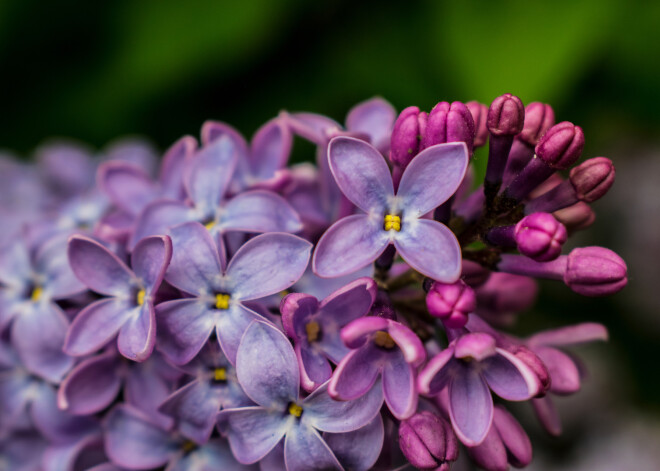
98,70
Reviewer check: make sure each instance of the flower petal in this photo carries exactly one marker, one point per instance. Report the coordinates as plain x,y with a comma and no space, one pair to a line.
375,118
437,372
547,414
52,263
98,268
55,425
91,386
432,177
96,325
266,366
324,413
358,450
348,245
254,431
399,386
349,302
127,185
157,217
184,325
267,264
207,174
38,335
564,374
150,259
361,173
230,326
312,127
259,211
431,248
137,337
133,442
471,406
570,335
270,149
314,367
195,260
509,377
356,373
516,441
171,170
304,449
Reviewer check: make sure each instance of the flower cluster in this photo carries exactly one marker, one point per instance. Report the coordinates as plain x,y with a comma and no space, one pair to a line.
223,310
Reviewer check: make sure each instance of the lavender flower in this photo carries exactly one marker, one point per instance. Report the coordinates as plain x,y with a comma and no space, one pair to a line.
362,174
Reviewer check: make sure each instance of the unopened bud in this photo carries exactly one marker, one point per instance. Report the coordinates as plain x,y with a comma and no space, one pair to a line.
595,271
506,115
540,236
576,217
449,123
451,302
407,135
479,113
592,178
539,117
428,441
561,145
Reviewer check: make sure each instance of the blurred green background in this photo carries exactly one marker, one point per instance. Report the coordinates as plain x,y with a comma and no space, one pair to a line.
98,70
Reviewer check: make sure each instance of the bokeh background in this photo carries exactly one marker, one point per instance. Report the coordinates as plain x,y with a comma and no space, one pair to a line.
95,71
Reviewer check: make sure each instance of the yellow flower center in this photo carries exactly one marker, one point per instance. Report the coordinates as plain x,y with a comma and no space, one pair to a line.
188,446
220,374
222,301
384,340
140,297
209,225
295,410
392,222
312,329
37,292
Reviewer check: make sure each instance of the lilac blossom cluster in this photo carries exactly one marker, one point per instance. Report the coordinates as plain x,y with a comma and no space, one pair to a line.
222,310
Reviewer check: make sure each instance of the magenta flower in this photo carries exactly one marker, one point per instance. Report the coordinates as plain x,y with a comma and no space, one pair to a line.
363,176
129,309
265,265
469,367
314,327
381,347
267,369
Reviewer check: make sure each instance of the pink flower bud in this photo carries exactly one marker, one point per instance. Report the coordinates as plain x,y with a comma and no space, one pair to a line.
451,302
479,113
576,217
506,115
427,441
449,123
595,271
409,130
540,236
561,145
592,178
539,117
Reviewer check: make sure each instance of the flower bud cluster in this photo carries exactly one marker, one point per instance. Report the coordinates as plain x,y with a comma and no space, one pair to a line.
220,308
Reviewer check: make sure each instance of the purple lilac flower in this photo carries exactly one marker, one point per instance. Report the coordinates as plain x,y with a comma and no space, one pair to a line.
314,327
30,283
22,451
128,310
206,177
380,347
363,176
470,366
267,369
214,387
265,265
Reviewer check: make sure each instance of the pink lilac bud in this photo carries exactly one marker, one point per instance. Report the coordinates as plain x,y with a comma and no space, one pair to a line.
539,117
558,149
506,117
407,135
540,237
428,441
576,217
595,271
479,113
449,123
592,178
589,271
536,365
451,302
504,296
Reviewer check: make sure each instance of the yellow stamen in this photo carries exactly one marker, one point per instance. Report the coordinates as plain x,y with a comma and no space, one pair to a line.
209,225
284,292
313,329
222,301
188,446
36,294
383,339
220,374
392,222
140,297
295,410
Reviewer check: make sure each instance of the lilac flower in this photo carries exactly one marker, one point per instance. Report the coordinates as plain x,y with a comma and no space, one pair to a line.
267,370
97,381
22,451
564,371
132,441
85,451
428,441
363,176
314,327
214,387
129,309
381,347
468,367
206,177
265,265
30,283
